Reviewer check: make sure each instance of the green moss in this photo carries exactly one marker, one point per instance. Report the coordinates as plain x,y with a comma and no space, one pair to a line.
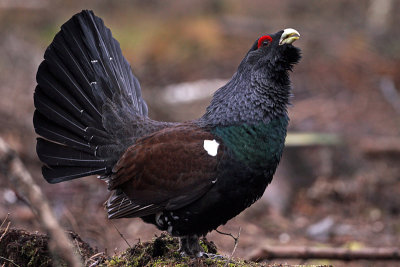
162,251
204,246
116,261
30,250
26,249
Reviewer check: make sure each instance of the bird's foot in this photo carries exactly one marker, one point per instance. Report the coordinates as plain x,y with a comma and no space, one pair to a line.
202,254
189,246
199,254
213,256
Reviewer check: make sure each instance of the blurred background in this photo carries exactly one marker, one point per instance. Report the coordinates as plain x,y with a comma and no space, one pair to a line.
338,184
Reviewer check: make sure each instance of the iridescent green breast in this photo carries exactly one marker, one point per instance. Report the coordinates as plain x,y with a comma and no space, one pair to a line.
256,145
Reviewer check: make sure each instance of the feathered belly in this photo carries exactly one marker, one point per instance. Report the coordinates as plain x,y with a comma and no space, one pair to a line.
247,160
237,187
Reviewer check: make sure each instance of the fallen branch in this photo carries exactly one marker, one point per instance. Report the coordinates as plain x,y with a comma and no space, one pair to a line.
13,169
305,139
380,145
326,253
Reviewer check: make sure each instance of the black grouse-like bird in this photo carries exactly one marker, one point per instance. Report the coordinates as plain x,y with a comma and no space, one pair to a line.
185,178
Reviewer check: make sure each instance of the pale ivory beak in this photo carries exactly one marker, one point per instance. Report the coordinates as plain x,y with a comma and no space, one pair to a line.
289,36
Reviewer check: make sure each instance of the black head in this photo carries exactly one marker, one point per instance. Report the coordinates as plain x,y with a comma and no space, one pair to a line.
260,88
274,51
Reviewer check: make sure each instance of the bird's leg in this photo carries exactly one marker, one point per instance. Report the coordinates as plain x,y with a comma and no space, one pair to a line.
189,246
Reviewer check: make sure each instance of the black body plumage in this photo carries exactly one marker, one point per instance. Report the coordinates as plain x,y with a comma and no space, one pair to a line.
186,178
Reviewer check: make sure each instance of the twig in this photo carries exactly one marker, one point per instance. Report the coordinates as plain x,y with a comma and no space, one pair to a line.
96,255
13,169
5,231
270,253
77,246
229,234
1,226
71,220
10,261
8,226
94,261
234,248
122,236
236,239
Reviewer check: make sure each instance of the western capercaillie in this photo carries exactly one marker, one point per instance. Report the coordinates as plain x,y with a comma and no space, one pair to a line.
185,178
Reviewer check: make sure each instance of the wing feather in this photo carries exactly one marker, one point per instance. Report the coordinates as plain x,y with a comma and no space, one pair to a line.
164,171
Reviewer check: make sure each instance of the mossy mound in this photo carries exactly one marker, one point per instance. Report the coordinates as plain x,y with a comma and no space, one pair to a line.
163,251
21,248
25,249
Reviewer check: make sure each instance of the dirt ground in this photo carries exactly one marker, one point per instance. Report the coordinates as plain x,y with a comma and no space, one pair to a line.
346,195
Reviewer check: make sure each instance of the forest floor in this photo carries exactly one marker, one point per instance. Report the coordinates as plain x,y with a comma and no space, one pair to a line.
345,196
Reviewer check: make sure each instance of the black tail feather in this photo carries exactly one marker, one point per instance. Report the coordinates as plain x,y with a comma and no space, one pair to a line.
55,113
62,174
66,79
62,98
52,131
54,154
86,95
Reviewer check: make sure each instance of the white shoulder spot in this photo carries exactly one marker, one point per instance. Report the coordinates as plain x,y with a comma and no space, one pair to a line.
211,146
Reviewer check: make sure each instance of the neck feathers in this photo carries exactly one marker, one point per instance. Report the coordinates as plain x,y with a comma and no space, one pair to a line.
252,96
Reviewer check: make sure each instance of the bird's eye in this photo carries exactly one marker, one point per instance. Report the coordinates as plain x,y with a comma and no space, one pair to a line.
264,41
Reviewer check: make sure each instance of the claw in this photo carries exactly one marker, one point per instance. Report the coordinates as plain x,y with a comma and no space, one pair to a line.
213,256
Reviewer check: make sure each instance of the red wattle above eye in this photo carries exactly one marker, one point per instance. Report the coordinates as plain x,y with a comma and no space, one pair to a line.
263,39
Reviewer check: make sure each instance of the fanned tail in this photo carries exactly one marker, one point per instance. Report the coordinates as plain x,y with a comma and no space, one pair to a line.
85,97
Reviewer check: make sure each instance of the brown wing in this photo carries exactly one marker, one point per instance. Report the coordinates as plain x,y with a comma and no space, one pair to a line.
164,171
